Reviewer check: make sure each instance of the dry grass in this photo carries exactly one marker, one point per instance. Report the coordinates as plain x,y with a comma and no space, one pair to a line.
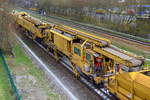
29,77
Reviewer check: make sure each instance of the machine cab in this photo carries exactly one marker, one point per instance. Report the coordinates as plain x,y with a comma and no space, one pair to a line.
85,58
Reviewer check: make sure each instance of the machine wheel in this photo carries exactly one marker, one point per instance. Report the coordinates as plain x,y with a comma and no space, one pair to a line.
75,71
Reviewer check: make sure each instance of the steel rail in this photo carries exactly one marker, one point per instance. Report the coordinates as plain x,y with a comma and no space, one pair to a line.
102,92
96,30
82,26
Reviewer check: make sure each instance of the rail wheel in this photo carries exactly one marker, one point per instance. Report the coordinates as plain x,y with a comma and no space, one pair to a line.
56,54
75,71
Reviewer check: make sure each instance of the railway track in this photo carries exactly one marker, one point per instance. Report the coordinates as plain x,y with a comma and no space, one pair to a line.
97,31
102,92
93,30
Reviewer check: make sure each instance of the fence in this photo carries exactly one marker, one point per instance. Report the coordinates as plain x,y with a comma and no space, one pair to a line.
8,72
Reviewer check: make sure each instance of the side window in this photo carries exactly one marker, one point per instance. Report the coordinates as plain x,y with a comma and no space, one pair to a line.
88,57
77,51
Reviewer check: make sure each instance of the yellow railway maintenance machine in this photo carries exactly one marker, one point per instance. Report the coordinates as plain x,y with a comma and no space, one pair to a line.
131,86
89,55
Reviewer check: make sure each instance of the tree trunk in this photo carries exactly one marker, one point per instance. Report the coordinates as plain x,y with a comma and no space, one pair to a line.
5,29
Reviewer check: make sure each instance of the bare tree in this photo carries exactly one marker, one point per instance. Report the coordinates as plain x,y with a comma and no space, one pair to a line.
5,27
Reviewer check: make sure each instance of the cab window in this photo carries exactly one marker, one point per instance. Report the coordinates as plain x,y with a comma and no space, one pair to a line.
77,51
88,57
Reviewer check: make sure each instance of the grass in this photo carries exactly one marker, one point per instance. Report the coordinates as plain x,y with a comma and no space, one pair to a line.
148,63
23,59
6,92
139,52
